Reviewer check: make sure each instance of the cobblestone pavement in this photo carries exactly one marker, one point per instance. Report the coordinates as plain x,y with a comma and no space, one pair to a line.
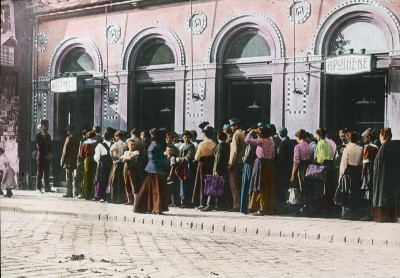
43,245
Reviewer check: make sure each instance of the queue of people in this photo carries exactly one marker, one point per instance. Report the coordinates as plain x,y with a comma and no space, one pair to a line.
251,171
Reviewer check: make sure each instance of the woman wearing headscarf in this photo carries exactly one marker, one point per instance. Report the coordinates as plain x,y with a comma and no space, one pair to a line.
386,180
349,176
87,154
262,184
116,181
153,196
205,157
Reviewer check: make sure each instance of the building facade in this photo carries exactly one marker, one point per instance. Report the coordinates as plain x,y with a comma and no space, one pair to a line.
173,64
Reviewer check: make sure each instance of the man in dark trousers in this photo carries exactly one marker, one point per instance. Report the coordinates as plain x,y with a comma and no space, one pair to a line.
68,158
43,156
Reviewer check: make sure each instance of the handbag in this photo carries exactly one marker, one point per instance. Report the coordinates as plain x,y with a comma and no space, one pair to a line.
214,185
315,172
338,199
181,170
294,194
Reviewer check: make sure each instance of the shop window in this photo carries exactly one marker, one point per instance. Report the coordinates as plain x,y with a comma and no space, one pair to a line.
157,53
78,61
247,45
357,36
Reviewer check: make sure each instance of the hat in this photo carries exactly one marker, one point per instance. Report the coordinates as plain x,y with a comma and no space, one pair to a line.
260,125
234,121
226,126
208,128
268,126
129,139
369,131
70,127
203,125
44,122
282,129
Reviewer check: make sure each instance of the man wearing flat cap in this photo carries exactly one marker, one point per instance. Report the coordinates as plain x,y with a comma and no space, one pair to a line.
235,166
43,156
68,158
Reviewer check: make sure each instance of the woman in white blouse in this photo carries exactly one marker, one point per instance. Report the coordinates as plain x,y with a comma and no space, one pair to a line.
350,177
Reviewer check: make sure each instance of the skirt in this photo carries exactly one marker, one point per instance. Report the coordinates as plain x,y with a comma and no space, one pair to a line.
204,168
88,177
116,183
351,184
153,196
246,177
386,214
262,185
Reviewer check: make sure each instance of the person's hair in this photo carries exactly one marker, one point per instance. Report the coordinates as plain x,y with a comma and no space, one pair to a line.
108,135
222,136
344,130
187,133
156,135
302,134
84,131
170,134
135,132
264,132
386,133
97,129
208,133
321,132
352,136
120,134
91,134
283,133
194,133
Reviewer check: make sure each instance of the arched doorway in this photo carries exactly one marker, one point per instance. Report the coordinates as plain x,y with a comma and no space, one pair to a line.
350,99
243,50
246,97
152,57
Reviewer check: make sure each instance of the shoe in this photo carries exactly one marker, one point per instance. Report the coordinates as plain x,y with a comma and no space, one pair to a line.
366,218
102,201
199,207
42,191
49,190
185,206
80,196
235,209
207,208
128,203
38,191
378,220
67,196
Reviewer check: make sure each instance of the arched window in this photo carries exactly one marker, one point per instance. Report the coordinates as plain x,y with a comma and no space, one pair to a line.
357,36
246,45
156,53
77,61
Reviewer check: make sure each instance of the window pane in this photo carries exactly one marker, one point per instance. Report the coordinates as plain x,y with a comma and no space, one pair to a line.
156,54
78,61
246,46
360,35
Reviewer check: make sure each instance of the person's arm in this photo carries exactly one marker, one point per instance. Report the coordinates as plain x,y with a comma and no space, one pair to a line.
250,140
64,152
191,152
199,152
234,150
217,160
343,163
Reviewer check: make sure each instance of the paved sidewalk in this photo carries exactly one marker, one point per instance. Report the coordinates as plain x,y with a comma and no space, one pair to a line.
330,230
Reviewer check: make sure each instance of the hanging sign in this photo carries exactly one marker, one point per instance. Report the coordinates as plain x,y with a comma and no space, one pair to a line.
64,85
348,64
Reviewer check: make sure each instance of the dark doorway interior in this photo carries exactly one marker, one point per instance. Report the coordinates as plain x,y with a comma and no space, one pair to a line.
355,102
250,101
156,107
76,108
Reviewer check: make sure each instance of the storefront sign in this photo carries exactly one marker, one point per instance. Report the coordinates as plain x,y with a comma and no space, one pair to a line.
64,85
348,64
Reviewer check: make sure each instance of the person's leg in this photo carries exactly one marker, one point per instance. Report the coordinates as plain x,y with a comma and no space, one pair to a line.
39,174
69,173
46,174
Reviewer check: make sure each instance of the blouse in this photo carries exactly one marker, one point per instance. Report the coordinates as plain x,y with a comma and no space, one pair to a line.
302,152
265,146
352,155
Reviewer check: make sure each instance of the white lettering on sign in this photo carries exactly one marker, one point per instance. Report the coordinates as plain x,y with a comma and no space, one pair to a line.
64,85
349,64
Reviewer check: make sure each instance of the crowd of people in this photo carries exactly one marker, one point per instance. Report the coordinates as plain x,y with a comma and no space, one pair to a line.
259,170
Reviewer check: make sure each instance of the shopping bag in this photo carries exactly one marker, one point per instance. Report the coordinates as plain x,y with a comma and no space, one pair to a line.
214,185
